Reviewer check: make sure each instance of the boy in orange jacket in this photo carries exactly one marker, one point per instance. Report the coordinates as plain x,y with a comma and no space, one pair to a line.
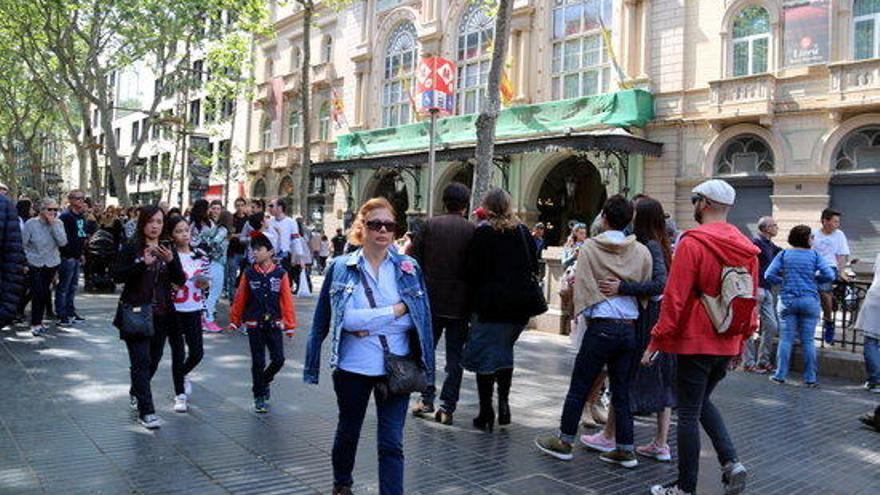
264,304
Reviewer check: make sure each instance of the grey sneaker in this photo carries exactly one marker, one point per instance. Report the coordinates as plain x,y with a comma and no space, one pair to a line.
553,445
150,421
733,476
187,387
671,489
625,458
132,402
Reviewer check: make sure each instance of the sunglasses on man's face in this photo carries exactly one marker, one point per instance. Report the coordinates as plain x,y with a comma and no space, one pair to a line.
376,225
52,210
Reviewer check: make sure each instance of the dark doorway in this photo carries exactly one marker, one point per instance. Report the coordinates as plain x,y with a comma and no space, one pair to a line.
571,191
391,187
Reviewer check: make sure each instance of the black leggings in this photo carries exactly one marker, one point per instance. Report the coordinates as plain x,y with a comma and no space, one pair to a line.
40,282
187,327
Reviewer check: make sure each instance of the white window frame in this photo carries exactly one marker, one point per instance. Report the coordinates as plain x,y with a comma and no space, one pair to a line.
324,122
481,62
294,127
875,48
266,134
750,43
396,111
558,74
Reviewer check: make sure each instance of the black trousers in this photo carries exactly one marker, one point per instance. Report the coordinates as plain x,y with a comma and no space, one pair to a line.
40,278
144,356
261,338
186,335
456,336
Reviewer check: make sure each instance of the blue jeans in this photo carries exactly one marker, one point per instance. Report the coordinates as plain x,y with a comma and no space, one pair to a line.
800,316
872,359
68,278
604,343
697,376
233,265
456,336
352,397
215,270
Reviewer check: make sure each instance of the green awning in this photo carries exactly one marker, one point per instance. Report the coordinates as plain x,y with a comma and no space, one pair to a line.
633,107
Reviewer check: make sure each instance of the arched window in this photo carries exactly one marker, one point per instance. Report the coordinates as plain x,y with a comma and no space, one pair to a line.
294,127
475,37
266,132
859,150
327,49
751,41
581,65
324,122
400,62
259,190
866,29
746,153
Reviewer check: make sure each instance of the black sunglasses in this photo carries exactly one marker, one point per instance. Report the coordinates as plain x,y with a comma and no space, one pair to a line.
51,209
376,225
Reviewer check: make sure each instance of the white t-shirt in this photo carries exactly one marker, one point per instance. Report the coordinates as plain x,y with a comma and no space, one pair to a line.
830,246
287,232
190,298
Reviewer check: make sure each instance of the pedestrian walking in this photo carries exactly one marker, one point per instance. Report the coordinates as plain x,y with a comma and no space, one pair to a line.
264,305
12,262
211,238
685,328
235,259
609,334
302,258
382,309
323,253
339,241
868,322
652,388
314,242
145,314
757,352
799,271
72,256
185,336
502,269
441,248
831,243
43,237
288,246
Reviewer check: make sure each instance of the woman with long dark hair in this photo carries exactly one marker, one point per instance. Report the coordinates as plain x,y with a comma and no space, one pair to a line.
148,269
652,388
501,259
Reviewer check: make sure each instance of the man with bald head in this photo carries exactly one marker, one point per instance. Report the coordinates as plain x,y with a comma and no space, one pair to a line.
758,353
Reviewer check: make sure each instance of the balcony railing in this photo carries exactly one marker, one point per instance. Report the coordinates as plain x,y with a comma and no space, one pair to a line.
743,96
855,81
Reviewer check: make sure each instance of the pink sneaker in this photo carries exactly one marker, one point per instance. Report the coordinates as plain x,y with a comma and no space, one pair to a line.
656,452
212,327
598,442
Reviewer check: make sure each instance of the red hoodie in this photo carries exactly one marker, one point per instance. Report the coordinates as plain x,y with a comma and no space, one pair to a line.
684,326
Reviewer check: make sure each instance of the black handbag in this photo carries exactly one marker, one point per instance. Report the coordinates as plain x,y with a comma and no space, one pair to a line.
135,321
403,374
533,303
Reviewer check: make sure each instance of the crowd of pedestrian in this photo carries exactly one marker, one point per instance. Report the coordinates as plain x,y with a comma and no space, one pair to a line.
658,317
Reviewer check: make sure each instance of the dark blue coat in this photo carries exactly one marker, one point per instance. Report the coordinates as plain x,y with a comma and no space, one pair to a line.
12,262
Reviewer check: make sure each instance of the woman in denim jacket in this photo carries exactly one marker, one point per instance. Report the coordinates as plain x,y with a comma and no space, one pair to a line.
799,271
399,314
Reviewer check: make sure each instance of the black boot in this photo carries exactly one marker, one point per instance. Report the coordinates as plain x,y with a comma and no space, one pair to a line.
486,420
504,379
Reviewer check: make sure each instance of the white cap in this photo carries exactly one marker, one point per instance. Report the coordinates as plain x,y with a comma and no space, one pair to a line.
716,190
3,186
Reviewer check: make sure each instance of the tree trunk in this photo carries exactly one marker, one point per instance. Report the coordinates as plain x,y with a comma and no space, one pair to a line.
485,124
229,159
305,87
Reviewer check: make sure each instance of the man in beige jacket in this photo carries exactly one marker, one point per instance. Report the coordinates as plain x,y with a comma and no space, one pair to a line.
610,334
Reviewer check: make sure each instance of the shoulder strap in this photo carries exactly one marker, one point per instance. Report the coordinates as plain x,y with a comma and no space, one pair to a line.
368,291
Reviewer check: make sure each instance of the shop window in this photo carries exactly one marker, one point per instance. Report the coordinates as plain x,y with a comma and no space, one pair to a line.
745,154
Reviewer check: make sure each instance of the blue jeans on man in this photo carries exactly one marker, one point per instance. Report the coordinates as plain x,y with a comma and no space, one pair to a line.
872,359
353,392
68,278
605,342
800,315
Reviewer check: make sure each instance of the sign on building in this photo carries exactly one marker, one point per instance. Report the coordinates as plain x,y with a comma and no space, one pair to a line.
806,31
435,85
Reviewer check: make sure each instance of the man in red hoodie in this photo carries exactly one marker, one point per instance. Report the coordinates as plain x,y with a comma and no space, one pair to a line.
684,329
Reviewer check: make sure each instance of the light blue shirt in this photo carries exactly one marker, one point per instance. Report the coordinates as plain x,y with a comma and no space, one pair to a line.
615,307
364,355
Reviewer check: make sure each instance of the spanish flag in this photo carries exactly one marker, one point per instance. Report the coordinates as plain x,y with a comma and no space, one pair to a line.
506,88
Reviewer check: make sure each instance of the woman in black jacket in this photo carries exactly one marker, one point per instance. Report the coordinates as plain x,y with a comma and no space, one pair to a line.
501,261
148,269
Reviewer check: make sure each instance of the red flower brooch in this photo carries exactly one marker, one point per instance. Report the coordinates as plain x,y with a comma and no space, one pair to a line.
407,267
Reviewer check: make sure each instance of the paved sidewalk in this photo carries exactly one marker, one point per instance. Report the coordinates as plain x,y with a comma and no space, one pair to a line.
65,427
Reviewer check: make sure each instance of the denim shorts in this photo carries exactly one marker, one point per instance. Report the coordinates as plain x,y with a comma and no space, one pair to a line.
828,286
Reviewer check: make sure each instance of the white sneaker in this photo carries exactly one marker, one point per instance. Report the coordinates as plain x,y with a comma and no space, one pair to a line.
150,421
180,403
132,402
187,387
